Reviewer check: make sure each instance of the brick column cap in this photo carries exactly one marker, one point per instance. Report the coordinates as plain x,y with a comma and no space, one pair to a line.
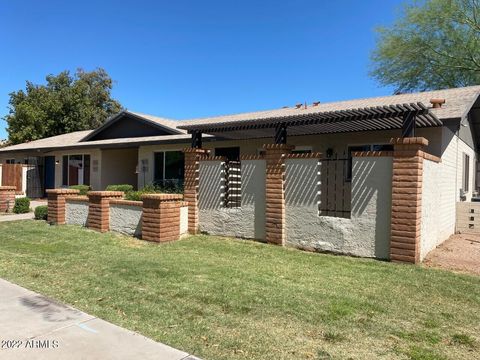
62,191
8,188
162,197
105,194
409,141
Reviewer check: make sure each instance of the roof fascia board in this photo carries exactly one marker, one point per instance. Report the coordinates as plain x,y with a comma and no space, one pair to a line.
115,118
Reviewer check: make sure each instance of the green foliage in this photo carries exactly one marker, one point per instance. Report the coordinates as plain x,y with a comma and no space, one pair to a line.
168,187
463,339
22,205
434,44
66,103
153,189
134,195
121,187
41,212
83,188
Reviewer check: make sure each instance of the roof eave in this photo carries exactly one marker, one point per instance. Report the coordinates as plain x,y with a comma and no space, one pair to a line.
113,119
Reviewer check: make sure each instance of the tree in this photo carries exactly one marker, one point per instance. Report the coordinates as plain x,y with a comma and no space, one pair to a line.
434,44
66,103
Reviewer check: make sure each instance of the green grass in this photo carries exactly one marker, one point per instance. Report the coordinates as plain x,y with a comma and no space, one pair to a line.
230,299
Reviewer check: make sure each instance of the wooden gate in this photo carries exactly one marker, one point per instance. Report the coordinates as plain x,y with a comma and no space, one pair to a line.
12,175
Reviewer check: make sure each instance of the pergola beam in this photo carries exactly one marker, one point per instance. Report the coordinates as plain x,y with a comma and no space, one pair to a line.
374,118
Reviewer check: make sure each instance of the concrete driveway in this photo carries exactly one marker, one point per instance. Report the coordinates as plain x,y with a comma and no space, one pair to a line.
35,327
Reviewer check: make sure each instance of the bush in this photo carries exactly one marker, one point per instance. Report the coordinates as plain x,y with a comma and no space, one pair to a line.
41,212
83,188
121,187
168,187
134,195
22,205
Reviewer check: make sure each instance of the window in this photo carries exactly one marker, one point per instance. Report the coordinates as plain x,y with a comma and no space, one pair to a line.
466,172
75,170
302,150
352,149
169,167
10,161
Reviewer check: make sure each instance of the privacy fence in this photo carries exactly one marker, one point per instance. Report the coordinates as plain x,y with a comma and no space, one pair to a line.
369,204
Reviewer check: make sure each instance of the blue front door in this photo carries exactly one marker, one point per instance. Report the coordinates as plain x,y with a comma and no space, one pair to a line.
49,182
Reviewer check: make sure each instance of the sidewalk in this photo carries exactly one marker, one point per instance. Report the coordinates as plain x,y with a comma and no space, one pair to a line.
30,215
35,327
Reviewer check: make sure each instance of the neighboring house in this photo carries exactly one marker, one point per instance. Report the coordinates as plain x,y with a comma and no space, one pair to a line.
354,196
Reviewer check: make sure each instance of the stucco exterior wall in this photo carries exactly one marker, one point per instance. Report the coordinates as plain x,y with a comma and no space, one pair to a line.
247,221
366,233
118,167
450,181
430,236
319,143
146,153
126,219
183,220
95,171
76,212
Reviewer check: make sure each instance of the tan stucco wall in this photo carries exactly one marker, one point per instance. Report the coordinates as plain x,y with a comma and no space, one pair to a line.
95,155
319,143
118,167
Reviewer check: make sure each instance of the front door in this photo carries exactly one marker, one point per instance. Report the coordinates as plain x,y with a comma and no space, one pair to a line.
49,181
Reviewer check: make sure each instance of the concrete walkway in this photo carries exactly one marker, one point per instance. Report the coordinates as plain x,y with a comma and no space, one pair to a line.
30,215
35,327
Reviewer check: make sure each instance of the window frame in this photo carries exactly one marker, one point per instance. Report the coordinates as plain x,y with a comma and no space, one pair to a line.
66,169
302,149
164,162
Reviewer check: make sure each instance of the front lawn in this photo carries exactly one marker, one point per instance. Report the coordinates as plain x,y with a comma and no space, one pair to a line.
230,299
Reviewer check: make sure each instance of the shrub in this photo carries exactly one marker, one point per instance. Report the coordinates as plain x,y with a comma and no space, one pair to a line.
126,188
41,212
22,205
134,195
168,187
83,188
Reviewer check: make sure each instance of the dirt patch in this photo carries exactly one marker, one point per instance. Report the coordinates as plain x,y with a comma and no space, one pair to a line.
461,252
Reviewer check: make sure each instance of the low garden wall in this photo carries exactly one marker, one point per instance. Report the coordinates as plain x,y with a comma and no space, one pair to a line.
158,217
365,233
126,217
216,217
76,210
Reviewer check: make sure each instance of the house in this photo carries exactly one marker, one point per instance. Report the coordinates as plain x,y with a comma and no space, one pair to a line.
140,149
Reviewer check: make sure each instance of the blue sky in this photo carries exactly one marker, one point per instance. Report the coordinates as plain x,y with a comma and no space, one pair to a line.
184,59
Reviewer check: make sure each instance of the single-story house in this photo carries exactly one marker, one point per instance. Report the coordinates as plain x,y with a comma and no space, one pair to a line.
139,149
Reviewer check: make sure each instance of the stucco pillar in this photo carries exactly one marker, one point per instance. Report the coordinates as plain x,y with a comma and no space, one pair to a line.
407,199
161,217
7,198
99,209
192,157
275,192
56,204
